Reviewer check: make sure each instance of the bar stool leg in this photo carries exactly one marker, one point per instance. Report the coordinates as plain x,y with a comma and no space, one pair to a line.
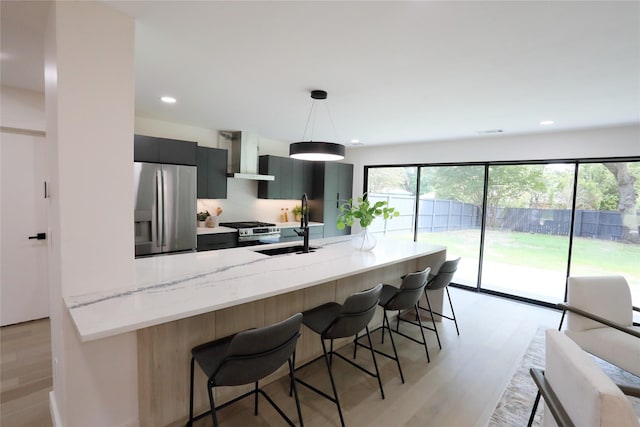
255,394
355,346
433,319
375,364
393,344
190,423
295,390
453,314
424,340
333,385
212,404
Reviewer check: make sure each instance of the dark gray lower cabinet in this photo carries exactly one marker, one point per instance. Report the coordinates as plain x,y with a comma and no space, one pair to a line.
289,234
209,242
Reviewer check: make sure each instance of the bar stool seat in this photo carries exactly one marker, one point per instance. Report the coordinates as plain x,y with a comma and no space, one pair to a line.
318,319
441,280
245,358
333,321
397,299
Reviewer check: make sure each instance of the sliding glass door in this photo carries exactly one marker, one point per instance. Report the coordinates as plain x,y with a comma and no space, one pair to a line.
450,214
606,240
528,221
396,186
513,227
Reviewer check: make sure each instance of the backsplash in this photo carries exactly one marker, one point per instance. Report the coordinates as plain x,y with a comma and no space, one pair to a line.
242,204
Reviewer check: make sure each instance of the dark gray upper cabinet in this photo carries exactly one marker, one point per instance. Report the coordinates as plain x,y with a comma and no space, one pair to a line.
212,173
292,178
332,186
163,150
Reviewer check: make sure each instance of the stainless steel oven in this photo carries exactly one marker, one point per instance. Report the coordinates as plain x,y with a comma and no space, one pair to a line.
251,233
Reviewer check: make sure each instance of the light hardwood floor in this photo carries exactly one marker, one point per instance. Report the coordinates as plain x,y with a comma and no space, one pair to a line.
459,388
25,374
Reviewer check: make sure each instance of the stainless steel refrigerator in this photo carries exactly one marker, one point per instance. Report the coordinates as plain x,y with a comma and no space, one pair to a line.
165,208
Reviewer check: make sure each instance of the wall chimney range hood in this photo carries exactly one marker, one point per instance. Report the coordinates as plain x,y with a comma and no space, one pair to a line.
244,156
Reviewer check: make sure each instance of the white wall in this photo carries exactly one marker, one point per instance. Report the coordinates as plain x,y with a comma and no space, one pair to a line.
89,69
22,109
619,141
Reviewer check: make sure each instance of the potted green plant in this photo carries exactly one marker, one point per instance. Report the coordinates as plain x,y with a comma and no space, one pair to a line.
202,217
297,212
364,212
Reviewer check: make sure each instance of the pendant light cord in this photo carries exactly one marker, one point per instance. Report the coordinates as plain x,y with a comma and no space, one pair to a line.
335,131
313,124
313,104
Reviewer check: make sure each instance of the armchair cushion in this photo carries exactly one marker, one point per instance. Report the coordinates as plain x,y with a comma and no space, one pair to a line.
608,297
623,350
605,296
587,394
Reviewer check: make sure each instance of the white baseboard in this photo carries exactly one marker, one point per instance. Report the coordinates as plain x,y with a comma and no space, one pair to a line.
53,409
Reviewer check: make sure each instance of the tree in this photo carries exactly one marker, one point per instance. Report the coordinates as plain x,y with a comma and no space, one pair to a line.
597,188
460,183
392,179
628,197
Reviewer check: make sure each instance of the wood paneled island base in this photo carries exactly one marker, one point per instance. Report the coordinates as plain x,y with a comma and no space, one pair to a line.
164,349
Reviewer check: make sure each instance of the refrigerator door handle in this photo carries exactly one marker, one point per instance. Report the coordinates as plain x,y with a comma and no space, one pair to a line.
165,183
159,209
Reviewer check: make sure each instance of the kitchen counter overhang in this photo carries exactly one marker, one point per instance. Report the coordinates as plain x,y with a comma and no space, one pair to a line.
174,287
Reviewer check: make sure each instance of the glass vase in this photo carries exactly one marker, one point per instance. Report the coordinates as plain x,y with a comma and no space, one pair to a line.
364,241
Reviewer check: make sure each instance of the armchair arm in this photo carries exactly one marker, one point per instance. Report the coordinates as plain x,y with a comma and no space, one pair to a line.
551,399
621,328
629,390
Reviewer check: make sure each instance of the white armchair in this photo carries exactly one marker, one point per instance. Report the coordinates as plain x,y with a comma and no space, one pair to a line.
577,392
600,320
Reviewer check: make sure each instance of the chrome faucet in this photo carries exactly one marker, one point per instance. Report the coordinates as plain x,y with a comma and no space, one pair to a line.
304,223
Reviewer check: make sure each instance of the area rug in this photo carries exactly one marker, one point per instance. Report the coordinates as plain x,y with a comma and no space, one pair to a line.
516,402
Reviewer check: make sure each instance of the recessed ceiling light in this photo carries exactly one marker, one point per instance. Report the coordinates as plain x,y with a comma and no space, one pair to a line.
546,122
168,99
355,141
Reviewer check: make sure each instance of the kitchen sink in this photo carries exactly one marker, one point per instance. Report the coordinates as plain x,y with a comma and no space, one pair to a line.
285,250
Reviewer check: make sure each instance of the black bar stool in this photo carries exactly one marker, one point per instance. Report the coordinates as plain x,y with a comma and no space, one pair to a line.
245,358
332,321
397,299
438,281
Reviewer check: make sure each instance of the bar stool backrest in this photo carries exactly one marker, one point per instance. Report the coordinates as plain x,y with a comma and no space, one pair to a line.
255,353
410,290
444,276
356,313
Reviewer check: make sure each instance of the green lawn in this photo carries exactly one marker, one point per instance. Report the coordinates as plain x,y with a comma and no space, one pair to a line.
590,256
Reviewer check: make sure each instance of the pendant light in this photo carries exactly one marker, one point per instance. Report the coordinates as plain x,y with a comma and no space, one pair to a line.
316,150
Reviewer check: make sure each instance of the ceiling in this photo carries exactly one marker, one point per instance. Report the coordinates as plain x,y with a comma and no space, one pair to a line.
395,71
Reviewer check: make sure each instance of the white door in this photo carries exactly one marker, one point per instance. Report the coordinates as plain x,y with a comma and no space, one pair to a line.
24,290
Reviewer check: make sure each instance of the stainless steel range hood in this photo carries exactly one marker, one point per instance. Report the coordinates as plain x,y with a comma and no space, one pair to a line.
244,156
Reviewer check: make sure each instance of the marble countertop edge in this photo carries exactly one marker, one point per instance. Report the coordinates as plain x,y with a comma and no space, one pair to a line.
104,314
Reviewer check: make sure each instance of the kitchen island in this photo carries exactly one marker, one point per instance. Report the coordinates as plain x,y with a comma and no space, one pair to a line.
179,301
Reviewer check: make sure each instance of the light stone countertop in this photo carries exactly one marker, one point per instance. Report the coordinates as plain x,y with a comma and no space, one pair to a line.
173,287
